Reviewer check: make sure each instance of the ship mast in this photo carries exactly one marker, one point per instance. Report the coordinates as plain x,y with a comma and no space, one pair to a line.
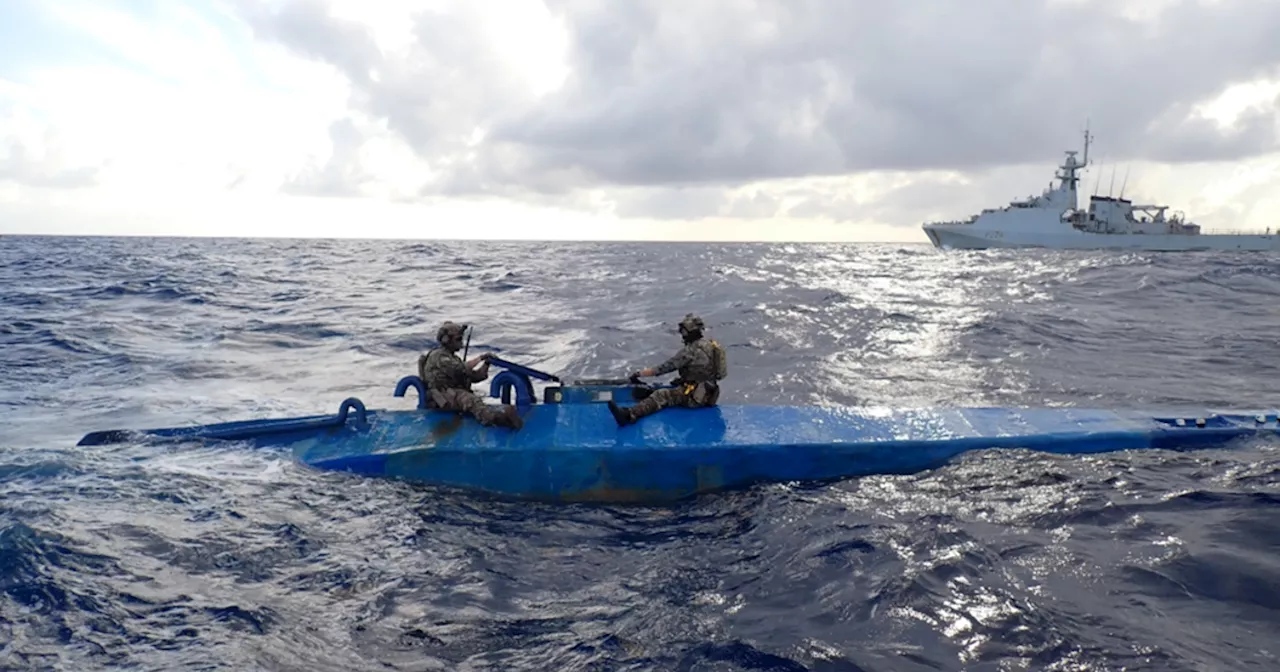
1070,166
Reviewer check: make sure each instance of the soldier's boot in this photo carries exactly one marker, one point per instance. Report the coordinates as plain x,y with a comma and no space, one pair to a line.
622,416
510,418
506,417
626,416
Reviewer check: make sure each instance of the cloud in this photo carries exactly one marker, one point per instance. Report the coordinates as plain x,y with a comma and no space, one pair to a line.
736,112
22,167
744,90
33,154
341,175
732,91
448,86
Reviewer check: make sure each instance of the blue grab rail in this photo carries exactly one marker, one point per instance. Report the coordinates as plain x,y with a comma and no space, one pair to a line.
416,383
522,369
514,379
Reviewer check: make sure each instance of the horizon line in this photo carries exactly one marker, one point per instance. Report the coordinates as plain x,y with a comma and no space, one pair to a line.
470,240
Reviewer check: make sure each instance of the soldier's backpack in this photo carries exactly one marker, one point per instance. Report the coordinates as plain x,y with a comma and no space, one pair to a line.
719,359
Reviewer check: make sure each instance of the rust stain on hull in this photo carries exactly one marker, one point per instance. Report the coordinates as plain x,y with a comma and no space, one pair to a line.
444,428
707,478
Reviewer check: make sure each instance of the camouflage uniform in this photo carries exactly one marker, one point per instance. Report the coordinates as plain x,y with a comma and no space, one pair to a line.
448,382
697,385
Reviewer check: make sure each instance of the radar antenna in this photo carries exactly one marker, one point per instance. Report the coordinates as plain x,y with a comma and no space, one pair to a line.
1087,138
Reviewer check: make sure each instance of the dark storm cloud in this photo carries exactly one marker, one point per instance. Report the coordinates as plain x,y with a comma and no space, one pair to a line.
810,87
716,93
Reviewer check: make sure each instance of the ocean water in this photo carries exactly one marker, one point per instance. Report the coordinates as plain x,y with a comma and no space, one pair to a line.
185,558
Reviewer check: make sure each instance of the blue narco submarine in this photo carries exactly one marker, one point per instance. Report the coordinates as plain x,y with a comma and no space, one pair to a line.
571,450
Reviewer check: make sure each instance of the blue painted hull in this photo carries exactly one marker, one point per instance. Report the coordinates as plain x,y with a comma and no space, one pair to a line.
575,451
570,448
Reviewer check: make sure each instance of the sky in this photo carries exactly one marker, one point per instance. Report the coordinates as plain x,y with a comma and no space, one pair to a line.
706,120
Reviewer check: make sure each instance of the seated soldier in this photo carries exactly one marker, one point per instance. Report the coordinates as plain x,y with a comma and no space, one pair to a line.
701,363
448,381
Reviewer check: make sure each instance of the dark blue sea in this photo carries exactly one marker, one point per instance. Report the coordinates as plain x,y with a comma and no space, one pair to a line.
136,557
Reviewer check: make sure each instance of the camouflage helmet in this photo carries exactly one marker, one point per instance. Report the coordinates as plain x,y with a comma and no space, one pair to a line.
450,330
691,322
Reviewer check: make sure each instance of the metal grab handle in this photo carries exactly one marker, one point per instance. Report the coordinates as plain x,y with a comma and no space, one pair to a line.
416,383
348,404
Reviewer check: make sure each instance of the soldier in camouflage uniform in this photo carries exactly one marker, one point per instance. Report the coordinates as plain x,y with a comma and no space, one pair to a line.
448,381
701,365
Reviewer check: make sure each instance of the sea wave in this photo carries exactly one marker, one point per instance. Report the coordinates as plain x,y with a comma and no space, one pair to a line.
210,558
